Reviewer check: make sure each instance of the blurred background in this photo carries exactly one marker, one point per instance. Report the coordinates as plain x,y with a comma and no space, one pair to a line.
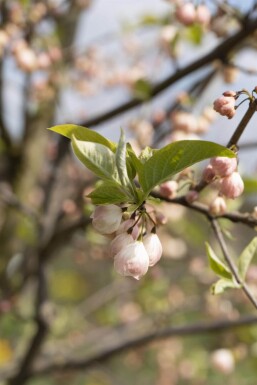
65,315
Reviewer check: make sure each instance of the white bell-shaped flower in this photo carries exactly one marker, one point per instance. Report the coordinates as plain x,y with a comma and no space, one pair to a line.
119,242
107,219
153,248
132,260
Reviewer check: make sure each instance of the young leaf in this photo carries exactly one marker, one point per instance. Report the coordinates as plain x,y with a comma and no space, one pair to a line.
174,158
216,264
245,258
108,192
146,154
134,159
121,165
223,284
97,158
82,133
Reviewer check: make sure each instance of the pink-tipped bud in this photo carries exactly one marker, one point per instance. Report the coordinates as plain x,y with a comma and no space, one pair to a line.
225,106
203,15
107,219
119,242
153,248
127,225
192,196
218,206
208,174
169,189
186,13
223,166
229,93
232,186
132,260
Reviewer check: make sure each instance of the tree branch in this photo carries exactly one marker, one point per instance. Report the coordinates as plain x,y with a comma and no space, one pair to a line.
221,51
111,351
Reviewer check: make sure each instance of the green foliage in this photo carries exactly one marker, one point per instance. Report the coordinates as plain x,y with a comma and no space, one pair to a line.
250,186
118,164
108,192
194,34
223,284
246,257
142,89
216,264
83,134
174,158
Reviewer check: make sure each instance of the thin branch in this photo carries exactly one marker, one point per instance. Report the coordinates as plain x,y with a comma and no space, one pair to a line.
159,334
221,51
242,125
230,262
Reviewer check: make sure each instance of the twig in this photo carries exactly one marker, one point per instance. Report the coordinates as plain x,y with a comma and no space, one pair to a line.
230,262
219,52
159,334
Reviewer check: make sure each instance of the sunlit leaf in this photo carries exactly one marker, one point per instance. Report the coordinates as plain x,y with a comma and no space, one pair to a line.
97,158
174,158
223,284
245,258
216,264
82,133
108,192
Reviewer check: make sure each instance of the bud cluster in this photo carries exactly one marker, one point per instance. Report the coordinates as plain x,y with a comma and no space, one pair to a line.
188,14
134,248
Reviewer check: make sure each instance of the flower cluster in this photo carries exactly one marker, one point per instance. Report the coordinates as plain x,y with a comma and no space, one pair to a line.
134,248
224,172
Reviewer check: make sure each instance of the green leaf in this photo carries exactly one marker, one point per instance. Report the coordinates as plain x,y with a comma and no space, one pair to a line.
82,133
174,158
216,264
245,258
121,165
108,192
134,159
97,158
146,154
223,284
142,89
194,33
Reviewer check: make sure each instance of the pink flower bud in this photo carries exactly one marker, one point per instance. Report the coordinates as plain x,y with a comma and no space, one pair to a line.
203,15
132,260
186,13
184,121
192,196
127,225
208,173
153,248
169,189
119,242
223,166
218,206
232,186
229,93
225,105
107,219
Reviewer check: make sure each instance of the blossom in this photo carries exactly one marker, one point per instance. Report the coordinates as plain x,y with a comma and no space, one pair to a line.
223,166
208,173
186,13
107,219
203,15
225,106
169,189
126,225
132,260
153,248
119,242
232,186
